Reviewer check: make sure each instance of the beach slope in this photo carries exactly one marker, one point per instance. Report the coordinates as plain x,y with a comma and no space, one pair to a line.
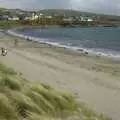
92,79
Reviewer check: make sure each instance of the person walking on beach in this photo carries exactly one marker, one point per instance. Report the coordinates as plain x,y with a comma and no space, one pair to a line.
15,43
4,51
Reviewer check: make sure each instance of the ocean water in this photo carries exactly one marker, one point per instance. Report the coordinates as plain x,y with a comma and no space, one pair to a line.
98,40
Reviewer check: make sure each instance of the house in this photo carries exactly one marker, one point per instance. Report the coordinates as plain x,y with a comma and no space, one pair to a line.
90,20
13,18
27,18
49,17
83,19
68,20
20,13
34,16
40,14
4,17
86,19
9,18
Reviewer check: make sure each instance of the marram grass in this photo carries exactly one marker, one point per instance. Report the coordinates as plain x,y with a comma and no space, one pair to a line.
24,100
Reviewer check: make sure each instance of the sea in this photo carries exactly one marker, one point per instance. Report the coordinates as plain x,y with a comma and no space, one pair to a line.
98,40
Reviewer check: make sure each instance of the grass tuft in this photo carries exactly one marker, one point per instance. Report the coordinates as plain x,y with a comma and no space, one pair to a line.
7,111
9,82
5,70
23,100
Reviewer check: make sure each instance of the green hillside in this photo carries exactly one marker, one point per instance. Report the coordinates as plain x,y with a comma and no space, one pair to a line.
76,13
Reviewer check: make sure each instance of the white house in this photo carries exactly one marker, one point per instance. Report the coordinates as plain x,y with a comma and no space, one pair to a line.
83,19
27,18
86,19
14,18
49,17
21,13
34,16
70,19
40,14
90,20
9,18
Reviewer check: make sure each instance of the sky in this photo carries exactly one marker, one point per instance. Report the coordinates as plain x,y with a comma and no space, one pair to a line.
97,6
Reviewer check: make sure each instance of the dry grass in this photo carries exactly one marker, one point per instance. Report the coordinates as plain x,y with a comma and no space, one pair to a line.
23,100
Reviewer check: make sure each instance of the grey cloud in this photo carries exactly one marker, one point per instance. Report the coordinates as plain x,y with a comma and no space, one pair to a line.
102,6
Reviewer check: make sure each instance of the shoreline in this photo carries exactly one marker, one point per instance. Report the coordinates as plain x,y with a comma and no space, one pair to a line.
75,49
87,55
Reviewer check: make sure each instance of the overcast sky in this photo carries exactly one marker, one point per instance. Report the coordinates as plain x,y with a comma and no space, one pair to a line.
102,6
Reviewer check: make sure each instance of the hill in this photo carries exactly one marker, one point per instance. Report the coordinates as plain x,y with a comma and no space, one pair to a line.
98,19
68,12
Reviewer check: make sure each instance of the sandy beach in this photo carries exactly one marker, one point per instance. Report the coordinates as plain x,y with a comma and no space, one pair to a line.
90,78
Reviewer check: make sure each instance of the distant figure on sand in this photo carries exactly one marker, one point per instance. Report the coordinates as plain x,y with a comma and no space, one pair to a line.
4,51
28,39
16,43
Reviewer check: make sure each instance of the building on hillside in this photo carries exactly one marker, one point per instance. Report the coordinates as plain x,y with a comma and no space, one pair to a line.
5,17
20,13
40,14
86,19
83,19
49,17
70,19
90,20
27,18
13,18
34,16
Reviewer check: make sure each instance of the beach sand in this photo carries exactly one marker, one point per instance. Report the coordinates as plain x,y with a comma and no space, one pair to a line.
90,78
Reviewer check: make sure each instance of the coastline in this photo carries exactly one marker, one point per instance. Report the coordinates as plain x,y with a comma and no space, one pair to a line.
75,49
92,79
63,49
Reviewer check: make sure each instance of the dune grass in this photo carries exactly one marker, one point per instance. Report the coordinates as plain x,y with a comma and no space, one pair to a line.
24,100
